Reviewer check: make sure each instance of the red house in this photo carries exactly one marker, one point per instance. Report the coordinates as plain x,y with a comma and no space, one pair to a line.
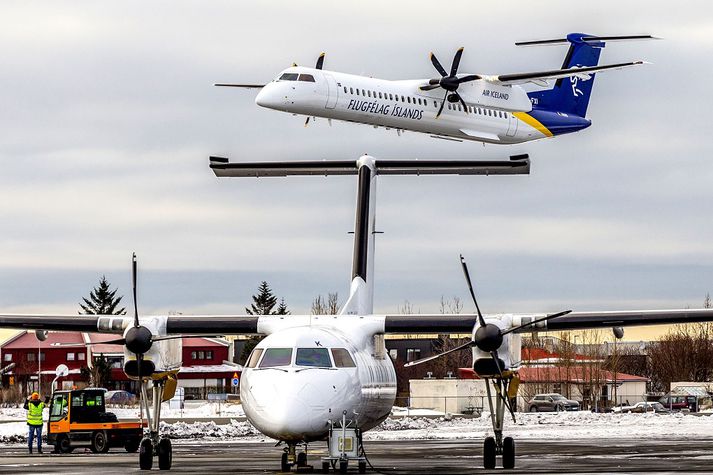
206,363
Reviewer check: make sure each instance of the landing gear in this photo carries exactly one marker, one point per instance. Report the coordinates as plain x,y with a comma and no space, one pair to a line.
153,444
291,458
494,446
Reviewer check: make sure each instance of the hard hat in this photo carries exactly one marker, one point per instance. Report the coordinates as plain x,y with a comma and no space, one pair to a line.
35,395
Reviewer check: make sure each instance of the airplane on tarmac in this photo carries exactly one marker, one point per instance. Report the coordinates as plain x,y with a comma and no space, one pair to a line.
330,376
484,108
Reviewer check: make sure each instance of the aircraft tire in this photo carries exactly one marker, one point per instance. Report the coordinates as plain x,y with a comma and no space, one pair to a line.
302,459
508,453
100,442
146,454
343,465
362,467
165,454
325,467
489,452
284,465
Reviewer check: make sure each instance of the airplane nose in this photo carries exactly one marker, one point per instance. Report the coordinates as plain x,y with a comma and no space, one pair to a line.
267,97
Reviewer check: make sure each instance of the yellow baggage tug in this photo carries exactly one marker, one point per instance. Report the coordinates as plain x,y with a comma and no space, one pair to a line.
78,418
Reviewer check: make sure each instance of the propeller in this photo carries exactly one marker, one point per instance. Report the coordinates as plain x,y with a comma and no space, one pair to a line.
320,63
449,81
488,337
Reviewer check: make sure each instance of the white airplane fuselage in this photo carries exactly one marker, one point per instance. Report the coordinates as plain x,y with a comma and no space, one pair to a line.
297,399
497,113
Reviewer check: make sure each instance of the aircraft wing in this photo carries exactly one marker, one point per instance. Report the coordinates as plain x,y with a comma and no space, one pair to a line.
540,77
175,324
464,323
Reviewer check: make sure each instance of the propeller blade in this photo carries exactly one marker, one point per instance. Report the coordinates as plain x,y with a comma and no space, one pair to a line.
133,283
443,103
307,122
456,61
471,77
429,87
320,61
465,106
118,341
437,65
175,337
496,360
431,358
534,322
481,320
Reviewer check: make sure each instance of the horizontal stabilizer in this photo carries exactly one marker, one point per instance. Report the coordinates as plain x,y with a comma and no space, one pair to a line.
516,165
539,76
588,39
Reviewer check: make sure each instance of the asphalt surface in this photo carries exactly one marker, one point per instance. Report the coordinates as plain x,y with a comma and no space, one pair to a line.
402,457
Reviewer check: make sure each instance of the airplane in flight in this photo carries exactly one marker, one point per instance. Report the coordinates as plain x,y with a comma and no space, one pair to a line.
493,109
316,377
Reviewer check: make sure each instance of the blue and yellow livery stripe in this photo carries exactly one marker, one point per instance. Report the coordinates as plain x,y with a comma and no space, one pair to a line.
534,123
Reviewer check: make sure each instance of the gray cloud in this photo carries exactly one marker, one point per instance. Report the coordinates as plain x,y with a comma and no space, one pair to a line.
109,117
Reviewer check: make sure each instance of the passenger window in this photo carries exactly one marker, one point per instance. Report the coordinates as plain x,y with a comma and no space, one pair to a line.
351,91
276,357
342,358
402,99
345,89
391,97
380,96
435,103
306,78
318,357
254,357
363,92
357,92
288,77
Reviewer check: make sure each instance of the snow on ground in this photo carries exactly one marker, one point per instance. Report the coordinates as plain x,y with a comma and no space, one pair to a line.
567,425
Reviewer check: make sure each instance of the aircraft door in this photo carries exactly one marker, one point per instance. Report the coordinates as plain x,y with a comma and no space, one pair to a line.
512,125
332,91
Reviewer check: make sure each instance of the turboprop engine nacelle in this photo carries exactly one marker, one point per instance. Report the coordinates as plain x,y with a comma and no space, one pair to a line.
509,351
162,357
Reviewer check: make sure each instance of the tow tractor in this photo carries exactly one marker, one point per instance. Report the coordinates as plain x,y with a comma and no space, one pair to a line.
78,418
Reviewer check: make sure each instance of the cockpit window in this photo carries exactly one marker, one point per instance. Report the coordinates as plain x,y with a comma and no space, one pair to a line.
342,358
254,357
313,357
276,357
306,78
288,77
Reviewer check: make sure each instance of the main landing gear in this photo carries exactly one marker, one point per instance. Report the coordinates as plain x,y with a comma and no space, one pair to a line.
494,446
153,444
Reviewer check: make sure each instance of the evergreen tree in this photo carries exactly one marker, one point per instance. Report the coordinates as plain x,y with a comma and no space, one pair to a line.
263,304
102,301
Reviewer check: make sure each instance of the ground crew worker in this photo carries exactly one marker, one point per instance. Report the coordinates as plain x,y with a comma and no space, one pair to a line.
34,408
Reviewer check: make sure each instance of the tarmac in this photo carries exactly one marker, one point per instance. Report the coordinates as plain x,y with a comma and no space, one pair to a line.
401,457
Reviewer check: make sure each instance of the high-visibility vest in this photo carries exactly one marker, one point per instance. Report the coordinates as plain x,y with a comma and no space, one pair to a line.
34,413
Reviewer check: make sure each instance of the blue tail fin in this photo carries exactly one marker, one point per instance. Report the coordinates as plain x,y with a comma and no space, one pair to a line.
571,95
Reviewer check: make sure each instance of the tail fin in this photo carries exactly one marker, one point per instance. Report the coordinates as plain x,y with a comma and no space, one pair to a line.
571,95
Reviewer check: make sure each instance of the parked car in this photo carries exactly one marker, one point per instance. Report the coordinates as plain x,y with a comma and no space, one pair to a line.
677,403
641,407
551,402
119,397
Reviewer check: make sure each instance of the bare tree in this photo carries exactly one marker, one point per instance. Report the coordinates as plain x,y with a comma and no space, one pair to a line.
684,354
328,306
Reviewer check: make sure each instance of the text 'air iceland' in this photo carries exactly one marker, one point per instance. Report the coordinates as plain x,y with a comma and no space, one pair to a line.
385,109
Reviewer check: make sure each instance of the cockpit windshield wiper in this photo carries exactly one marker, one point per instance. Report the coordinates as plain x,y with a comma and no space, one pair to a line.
315,367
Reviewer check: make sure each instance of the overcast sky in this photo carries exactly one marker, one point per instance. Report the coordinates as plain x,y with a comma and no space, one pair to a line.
108,116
